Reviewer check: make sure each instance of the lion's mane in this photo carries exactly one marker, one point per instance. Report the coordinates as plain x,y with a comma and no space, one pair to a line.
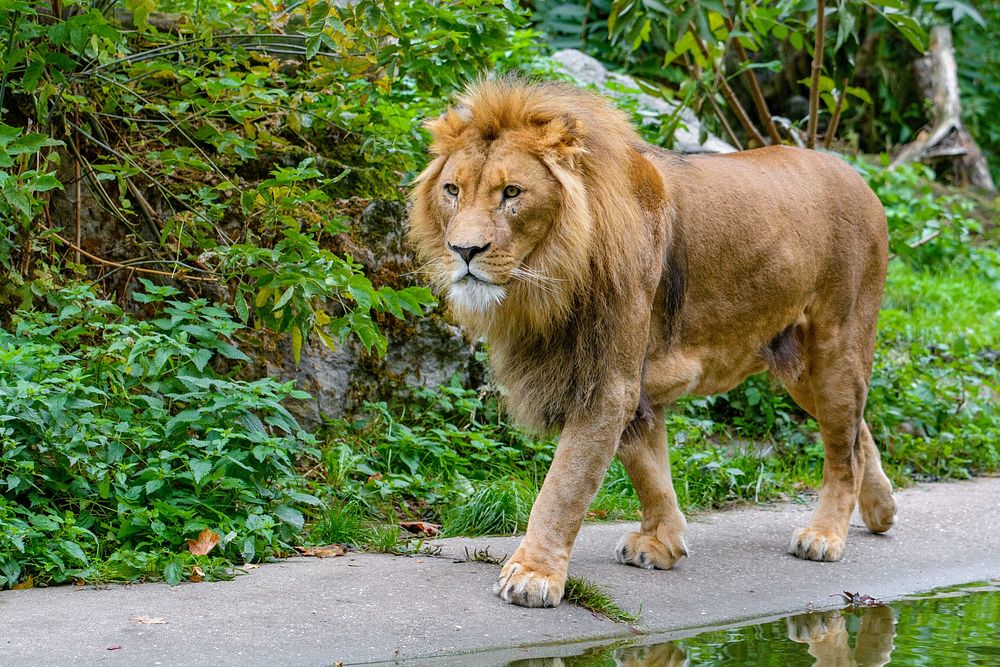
551,344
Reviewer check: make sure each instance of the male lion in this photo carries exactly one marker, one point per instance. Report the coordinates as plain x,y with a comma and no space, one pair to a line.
611,277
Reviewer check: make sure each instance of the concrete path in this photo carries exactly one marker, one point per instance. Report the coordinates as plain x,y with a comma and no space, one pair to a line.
368,608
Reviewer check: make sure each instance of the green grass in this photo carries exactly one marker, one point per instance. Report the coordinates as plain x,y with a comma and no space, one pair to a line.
592,597
499,507
958,305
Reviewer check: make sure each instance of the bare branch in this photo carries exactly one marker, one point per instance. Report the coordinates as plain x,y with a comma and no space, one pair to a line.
728,93
831,130
817,67
755,91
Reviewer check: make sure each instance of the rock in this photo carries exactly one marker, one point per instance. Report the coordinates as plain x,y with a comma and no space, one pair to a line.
424,352
588,71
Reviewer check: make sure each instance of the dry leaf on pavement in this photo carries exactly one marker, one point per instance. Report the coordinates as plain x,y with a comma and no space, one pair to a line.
197,574
27,583
207,539
420,528
149,620
329,551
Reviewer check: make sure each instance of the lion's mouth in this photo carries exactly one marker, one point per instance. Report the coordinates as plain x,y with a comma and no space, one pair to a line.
475,293
470,277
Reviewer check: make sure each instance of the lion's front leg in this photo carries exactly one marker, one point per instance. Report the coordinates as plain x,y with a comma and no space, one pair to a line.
535,575
660,542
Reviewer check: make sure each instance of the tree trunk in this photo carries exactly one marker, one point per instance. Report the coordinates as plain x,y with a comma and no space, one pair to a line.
947,138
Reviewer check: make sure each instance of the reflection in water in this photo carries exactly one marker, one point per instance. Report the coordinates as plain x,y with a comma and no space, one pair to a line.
826,634
827,637
959,626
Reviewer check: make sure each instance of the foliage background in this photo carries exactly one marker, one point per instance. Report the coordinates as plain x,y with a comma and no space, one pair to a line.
226,150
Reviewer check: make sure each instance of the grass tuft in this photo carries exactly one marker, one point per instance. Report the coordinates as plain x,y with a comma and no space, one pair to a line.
592,597
500,507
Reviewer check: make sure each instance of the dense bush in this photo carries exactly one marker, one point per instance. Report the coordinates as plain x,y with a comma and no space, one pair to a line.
121,438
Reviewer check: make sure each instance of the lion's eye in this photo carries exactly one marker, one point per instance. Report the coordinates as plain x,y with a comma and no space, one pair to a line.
451,189
511,191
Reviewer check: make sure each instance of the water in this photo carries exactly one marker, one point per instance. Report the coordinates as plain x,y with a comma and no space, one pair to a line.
959,626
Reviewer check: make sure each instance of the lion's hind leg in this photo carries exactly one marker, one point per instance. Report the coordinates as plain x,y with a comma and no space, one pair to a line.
659,544
878,507
834,388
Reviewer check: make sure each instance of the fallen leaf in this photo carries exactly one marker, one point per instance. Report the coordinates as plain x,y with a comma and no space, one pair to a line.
197,574
329,551
149,620
374,478
207,539
420,528
250,566
24,585
859,600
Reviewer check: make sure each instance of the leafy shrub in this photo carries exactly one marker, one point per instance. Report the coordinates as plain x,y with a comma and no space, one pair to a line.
429,450
120,438
926,228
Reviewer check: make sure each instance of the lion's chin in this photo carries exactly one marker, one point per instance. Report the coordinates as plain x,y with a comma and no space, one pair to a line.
475,295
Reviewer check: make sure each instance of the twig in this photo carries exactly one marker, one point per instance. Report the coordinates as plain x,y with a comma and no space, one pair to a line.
725,124
755,91
108,262
14,17
831,130
715,106
79,194
817,66
728,93
926,239
583,28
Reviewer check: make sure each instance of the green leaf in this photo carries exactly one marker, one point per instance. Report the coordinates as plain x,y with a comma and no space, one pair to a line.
201,358
285,298
45,182
200,469
75,551
296,344
361,289
290,515
173,573
305,498
241,308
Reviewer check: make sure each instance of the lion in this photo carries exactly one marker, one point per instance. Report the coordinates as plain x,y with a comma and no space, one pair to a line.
610,277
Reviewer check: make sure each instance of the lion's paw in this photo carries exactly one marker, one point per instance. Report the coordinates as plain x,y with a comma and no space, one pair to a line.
815,544
518,584
878,511
648,552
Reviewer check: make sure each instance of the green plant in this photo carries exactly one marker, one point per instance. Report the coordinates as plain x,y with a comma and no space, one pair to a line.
592,597
121,438
497,507
926,228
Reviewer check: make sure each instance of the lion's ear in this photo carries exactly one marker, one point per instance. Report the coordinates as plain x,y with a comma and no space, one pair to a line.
561,138
446,131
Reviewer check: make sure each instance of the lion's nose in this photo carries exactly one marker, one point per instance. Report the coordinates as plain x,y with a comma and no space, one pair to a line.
468,252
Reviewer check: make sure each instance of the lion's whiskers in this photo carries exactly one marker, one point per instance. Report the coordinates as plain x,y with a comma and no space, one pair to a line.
546,284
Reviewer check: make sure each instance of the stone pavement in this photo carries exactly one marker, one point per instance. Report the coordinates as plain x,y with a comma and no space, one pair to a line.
364,608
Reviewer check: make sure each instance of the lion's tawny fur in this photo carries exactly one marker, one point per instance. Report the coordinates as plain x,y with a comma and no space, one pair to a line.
610,277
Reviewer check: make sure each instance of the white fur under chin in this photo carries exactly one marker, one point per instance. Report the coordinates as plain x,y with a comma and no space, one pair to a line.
476,295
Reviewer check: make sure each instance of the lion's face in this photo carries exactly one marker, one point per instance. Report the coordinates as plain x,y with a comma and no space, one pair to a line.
495,203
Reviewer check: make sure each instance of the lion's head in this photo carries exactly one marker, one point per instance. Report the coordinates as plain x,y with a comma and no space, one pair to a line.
509,211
